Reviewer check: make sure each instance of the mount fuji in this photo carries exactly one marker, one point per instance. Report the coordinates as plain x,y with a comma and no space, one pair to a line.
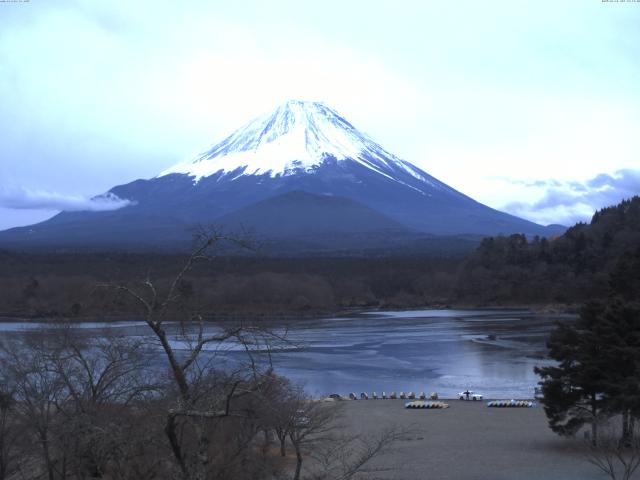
300,175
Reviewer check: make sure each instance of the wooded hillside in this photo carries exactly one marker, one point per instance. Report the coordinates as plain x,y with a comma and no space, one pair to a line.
510,270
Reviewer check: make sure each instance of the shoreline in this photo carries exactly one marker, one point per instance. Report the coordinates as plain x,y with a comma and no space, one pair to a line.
540,309
439,399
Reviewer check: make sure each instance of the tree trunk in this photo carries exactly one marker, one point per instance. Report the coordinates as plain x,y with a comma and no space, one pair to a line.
4,456
296,476
49,463
46,453
625,441
282,436
594,421
178,372
203,452
172,436
267,441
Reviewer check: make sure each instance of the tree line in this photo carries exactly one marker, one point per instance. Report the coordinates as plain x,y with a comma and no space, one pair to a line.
569,269
504,270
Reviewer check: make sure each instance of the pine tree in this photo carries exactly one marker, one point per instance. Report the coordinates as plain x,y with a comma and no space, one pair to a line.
598,370
619,330
624,280
573,390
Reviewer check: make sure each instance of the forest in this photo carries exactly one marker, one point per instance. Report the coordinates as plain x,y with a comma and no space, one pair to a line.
502,271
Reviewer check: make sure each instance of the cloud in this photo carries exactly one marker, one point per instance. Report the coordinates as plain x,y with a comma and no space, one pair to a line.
569,202
25,199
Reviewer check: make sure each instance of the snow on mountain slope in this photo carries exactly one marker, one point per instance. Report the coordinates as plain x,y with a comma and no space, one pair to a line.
296,138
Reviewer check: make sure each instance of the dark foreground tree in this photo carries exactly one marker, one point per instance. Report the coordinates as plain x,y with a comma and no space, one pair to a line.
72,402
9,434
619,332
573,389
203,402
598,362
215,415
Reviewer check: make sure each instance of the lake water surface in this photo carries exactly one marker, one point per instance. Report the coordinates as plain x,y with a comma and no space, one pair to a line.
447,351
489,351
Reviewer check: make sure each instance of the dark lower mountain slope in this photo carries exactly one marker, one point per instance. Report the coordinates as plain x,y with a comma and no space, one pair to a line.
299,213
166,210
438,210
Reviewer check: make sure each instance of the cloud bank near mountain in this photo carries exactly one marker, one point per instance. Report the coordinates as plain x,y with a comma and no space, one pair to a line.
568,202
25,199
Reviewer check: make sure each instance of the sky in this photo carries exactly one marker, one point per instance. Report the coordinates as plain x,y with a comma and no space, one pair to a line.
531,107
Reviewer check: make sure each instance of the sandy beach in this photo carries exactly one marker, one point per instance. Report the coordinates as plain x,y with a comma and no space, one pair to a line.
470,441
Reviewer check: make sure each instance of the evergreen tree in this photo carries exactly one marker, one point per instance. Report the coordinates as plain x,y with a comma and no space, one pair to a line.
598,370
619,330
624,280
573,390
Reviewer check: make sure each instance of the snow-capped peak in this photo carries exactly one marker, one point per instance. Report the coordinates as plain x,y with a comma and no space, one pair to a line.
296,137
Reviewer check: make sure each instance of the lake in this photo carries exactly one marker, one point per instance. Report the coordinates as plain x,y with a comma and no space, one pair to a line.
447,351
489,351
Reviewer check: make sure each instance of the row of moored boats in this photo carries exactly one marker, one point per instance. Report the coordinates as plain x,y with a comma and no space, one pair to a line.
391,396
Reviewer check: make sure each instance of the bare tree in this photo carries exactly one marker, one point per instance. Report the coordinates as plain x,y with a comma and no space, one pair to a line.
316,434
94,409
311,424
71,397
344,457
103,376
615,457
280,409
37,393
9,433
198,400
